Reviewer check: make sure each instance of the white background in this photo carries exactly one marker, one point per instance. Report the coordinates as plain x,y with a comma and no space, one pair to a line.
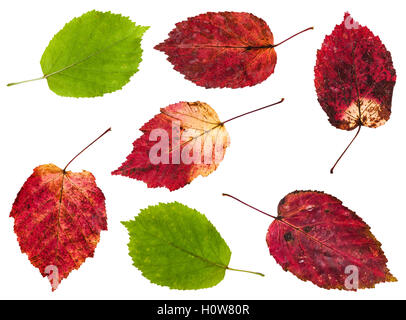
290,147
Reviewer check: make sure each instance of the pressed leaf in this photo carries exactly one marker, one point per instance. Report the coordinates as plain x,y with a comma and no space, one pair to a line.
191,141
187,125
176,246
58,216
93,54
222,49
318,239
354,77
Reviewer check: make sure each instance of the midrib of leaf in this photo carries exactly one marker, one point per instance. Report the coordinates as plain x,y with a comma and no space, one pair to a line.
58,224
86,58
205,132
186,251
46,76
323,244
231,34
209,262
59,214
356,84
248,47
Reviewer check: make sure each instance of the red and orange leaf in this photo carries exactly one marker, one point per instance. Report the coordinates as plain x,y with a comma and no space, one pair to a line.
319,240
58,216
354,77
222,49
182,142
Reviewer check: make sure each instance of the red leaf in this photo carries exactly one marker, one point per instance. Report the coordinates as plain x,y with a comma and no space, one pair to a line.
316,238
354,77
319,240
222,49
193,142
58,216
58,219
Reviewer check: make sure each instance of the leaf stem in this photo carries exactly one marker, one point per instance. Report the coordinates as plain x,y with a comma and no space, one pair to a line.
274,46
15,83
244,114
342,155
246,271
280,219
64,170
248,205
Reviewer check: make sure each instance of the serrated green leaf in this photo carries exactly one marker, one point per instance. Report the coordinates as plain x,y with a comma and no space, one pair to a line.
176,246
93,54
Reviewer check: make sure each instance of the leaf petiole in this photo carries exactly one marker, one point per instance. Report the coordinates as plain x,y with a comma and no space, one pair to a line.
250,206
252,272
275,45
15,83
346,149
109,129
256,110
281,220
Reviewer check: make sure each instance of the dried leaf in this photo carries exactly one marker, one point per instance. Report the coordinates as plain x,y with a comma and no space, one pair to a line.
192,141
58,216
354,77
318,239
222,49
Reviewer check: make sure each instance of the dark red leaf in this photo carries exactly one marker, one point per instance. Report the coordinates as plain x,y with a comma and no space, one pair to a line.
354,78
316,238
222,49
319,240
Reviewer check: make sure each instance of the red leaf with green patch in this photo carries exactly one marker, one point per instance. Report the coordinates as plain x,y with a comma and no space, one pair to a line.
354,78
318,239
58,216
222,49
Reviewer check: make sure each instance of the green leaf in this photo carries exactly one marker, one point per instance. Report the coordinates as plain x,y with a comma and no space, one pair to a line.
176,246
93,54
